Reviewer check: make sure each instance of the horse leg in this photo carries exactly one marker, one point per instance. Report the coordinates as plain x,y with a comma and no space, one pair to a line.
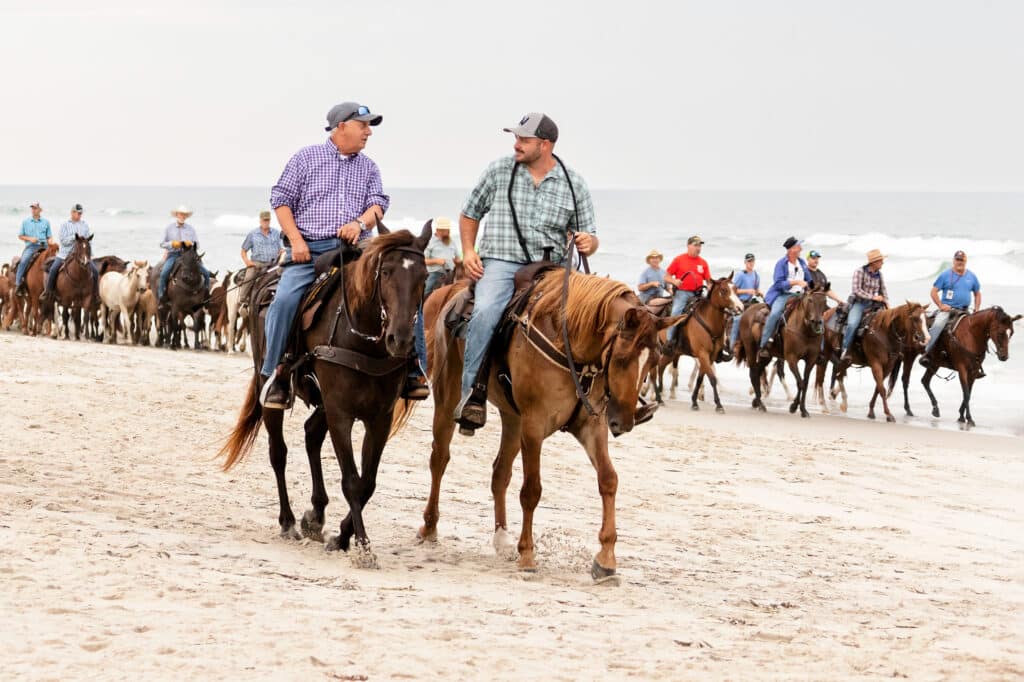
501,475
803,388
756,376
794,367
529,496
340,427
892,377
675,378
593,436
908,366
273,421
880,374
967,401
316,431
696,390
965,404
926,381
707,368
66,316
374,440
819,388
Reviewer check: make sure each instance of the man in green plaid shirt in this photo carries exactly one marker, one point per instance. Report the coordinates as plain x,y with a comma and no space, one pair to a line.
542,200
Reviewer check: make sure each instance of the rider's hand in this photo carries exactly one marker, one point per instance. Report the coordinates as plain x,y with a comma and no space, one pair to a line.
474,267
880,299
175,245
584,243
188,245
300,251
944,308
349,232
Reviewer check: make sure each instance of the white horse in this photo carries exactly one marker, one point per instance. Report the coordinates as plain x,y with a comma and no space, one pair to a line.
119,296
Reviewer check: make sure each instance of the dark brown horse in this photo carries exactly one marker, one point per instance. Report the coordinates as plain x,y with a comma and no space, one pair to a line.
75,287
886,335
368,323
186,295
702,335
801,339
963,350
608,329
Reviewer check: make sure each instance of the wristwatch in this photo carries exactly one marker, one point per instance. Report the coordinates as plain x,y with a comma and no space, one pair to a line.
362,225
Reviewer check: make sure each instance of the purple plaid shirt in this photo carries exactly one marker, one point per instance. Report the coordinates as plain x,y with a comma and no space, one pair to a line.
326,189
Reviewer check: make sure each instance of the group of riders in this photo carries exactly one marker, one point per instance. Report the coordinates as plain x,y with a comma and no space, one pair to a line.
687,276
331,194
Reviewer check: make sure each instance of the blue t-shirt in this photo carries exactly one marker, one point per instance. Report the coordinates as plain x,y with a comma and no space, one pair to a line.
652,275
746,280
40,229
955,290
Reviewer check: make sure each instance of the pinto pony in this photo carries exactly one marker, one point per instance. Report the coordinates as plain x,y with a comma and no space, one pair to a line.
608,328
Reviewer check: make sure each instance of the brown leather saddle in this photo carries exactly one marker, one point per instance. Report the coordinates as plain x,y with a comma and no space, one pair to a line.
659,307
955,318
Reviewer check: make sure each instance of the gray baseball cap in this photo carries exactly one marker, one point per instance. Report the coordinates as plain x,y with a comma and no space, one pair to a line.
350,111
535,125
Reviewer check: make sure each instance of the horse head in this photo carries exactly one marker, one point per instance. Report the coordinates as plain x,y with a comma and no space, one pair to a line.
392,267
82,250
723,296
815,304
999,330
915,327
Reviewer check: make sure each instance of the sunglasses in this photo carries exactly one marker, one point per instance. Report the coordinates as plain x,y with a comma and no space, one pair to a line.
361,111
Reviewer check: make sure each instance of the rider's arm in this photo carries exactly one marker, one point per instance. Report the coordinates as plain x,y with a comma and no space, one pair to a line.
935,297
977,301
246,260
286,219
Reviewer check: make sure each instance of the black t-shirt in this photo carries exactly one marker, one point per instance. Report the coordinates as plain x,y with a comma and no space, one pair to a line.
820,280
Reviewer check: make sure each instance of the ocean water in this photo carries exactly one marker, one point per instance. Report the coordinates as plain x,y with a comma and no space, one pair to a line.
919,232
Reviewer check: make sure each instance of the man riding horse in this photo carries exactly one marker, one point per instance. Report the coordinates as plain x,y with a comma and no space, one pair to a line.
177,235
867,293
328,193
951,293
75,227
530,211
688,273
790,277
36,234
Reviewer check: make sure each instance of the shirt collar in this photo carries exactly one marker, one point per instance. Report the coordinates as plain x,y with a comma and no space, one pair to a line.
333,149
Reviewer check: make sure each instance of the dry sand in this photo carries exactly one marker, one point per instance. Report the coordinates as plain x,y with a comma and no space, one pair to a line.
745,550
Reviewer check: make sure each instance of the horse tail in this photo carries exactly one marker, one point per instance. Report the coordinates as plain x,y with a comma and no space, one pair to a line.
244,434
741,354
403,411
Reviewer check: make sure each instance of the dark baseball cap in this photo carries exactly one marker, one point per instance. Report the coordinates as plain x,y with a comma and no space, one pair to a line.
748,257
695,239
536,125
791,242
78,208
959,255
350,111
814,254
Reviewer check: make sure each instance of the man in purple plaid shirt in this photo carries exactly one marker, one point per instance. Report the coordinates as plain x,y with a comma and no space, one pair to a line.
327,193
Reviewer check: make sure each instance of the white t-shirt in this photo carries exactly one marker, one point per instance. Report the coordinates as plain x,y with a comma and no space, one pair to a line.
795,272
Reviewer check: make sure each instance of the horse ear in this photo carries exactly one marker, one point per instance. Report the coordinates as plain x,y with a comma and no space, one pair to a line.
201,255
90,237
666,322
631,318
1014,318
380,225
733,272
424,238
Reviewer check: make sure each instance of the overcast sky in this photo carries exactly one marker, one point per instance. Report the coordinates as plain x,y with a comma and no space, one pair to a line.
718,94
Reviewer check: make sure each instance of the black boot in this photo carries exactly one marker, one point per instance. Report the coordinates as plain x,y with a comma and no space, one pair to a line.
277,391
416,387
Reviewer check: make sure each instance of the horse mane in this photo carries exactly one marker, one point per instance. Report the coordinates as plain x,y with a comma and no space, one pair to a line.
587,308
364,268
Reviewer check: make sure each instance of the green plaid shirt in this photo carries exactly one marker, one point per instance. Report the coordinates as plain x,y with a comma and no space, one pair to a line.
545,211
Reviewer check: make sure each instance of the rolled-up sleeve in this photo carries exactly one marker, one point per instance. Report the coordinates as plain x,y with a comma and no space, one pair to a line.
288,188
375,190
478,203
247,243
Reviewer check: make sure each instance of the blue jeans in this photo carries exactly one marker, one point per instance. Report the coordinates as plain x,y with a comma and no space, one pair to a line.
295,279
433,282
421,342
26,255
679,302
941,319
853,322
493,292
772,323
51,275
735,333
165,274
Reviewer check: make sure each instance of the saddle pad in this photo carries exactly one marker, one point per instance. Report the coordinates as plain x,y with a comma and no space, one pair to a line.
321,290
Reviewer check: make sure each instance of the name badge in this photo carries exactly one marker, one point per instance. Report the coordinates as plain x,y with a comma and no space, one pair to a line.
949,295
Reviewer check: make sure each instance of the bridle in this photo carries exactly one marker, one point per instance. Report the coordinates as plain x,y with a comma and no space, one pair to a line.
375,295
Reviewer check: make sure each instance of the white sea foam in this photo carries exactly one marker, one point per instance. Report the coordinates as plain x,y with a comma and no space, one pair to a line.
236,221
916,246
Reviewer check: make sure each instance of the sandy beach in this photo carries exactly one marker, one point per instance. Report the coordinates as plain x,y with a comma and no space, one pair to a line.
750,546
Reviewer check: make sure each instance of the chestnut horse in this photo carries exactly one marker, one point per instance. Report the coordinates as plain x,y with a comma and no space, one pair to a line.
369,318
608,328
888,333
702,334
801,339
75,287
28,309
963,350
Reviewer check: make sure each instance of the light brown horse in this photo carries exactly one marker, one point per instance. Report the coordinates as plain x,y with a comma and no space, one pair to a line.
963,350
702,334
75,286
608,328
28,310
801,339
886,336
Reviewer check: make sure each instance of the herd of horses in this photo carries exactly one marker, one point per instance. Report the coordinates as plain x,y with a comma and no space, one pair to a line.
124,301
567,325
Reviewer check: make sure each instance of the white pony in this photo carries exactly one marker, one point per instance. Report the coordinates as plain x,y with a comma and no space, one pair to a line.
119,296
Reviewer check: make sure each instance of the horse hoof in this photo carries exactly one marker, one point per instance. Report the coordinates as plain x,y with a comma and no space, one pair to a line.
935,412
599,573
871,415
336,544
695,407
889,418
290,533
363,557
970,423
762,408
504,547
805,415
311,528
720,410
909,413
793,409
423,536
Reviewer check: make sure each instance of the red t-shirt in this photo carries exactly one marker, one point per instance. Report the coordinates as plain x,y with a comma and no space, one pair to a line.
695,265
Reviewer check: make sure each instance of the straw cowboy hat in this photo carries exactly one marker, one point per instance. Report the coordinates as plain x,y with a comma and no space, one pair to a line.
653,254
875,255
182,208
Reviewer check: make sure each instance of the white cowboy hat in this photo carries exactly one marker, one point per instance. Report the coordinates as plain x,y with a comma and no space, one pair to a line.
182,208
